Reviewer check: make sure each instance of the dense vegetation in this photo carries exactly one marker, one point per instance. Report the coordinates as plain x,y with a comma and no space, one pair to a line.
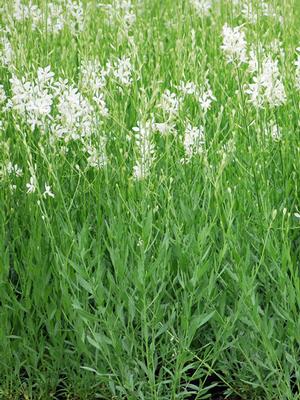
149,194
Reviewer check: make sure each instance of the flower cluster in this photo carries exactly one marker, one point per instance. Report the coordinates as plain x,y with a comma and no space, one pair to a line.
234,44
33,99
203,93
6,51
261,9
122,70
170,103
70,14
267,87
193,141
202,7
145,146
121,11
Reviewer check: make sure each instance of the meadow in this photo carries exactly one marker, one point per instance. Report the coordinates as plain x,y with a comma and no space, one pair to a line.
149,199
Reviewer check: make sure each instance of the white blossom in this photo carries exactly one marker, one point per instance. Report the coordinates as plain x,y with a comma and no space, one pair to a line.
193,141
31,185
187,88
2,94
56,18
145,146
122,70
75,16
205,96
48,192
234,44
121,12
14,169
267,86
169,103
163,128
202,7
97,157
6,51
76,117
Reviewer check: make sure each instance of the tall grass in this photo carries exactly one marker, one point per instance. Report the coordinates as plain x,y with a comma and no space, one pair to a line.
175,286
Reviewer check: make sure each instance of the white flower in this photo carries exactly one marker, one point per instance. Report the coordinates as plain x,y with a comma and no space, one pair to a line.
33,100
6,52
97,155
250,13
121,12
93,76
143,133
234,44
273,130
169,103
14,169
45,76
122,70
56,18
256,54
187,87
267,87
163,127
193,140
101,105
48,191
75,16
2,94
76,117
30,12
202,7
31,186
205,96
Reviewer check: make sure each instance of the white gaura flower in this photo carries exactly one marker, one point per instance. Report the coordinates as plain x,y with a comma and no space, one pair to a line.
267,87
202,7
256,55
164,128
194,140
187,88
122,70
31,185
56,18
273,130
48,191
76,117
97,157
93,75
32,12
101,104
6,52
250,12
268,10
45,76
234,44
121,12
75,16
2,94
14,169
205,96
33,100
169,103
145,146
